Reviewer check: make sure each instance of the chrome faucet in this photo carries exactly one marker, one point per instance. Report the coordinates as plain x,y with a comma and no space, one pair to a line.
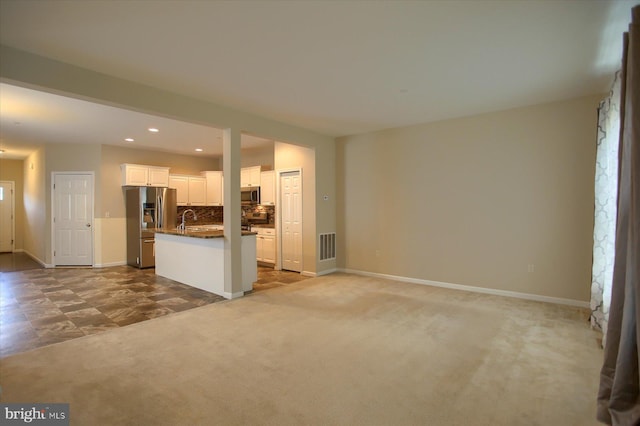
182,226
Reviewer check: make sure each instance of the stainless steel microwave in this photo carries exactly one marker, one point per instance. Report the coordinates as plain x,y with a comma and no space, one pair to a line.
250,195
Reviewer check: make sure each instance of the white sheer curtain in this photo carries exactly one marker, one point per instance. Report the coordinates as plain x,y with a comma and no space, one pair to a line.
606,189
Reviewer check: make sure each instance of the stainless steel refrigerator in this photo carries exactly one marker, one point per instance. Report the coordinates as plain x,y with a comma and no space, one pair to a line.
147,209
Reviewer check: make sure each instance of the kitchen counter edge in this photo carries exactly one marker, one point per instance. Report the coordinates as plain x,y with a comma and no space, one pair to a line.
198,234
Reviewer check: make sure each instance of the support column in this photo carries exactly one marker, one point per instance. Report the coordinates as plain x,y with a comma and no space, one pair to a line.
232,213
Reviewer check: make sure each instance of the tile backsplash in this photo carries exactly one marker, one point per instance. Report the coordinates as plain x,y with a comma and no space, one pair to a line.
271,210
208,215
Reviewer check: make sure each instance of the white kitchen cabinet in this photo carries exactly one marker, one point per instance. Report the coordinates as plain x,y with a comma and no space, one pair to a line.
190,190
265,245
141,175
215,194
181,185
268,188
159,176
197,191
250,176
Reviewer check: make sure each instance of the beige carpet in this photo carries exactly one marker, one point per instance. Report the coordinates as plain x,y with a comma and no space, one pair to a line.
334,350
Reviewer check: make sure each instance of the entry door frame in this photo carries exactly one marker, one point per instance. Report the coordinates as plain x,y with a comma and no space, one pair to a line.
12,185
279,173
53,213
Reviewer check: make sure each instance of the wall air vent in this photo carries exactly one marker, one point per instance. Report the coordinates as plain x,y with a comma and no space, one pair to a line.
327,246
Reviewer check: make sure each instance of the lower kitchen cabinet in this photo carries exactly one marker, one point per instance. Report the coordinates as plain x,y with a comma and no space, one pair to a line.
266,245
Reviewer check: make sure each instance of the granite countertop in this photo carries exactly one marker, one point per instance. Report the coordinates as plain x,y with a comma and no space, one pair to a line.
264,225
198,234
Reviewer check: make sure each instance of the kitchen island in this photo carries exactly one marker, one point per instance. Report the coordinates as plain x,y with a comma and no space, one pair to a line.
196,258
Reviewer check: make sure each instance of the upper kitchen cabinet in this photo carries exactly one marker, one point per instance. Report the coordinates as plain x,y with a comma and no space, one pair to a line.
250,176
140,175
215,192
190,190
197,191
268,188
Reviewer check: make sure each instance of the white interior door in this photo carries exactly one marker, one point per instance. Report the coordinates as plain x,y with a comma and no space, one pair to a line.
73,219
6,216
291,219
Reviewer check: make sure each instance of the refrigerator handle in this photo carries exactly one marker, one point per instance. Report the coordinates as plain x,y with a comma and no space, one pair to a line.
160,210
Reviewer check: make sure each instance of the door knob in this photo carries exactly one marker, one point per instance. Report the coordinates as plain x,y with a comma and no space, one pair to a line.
88,225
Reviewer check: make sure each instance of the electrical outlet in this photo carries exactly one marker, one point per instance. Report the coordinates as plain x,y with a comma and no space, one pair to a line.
107,214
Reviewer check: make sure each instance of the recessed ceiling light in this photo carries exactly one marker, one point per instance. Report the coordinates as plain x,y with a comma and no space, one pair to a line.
153,130
198,149
129,139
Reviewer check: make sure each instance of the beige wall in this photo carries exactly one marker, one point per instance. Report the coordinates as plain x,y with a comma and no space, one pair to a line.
288,156
34,229
104,161
112,157
13,170
64,157
110,221
318,165
257,157
33,71
474,201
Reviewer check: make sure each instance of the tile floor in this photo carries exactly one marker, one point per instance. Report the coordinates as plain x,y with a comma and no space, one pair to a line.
11,262
269,278
39,306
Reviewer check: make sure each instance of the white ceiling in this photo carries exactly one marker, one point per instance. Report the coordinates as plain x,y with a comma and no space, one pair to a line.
334,67
29,118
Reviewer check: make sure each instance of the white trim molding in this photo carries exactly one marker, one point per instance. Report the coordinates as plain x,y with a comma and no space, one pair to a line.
326,272
228,295
41,262
473,289
109,264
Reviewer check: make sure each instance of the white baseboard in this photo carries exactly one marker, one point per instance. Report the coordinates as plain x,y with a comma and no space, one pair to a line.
35,258
308,274
495,292
51,265
229,296
106,265
326,272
